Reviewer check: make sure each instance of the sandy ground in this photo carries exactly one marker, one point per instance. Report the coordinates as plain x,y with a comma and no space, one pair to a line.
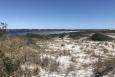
76,58
110,35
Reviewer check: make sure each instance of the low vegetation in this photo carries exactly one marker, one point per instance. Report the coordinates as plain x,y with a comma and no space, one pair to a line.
100,37
49,36
77,35
3,27
57,55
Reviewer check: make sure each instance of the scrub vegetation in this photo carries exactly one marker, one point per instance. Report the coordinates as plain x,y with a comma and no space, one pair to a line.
57,55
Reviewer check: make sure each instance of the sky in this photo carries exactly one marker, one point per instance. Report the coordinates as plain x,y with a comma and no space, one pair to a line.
58,14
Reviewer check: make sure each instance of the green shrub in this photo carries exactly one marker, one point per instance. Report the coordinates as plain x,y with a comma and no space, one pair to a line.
3,27
10,65
32,35
7,65
100,37
77,35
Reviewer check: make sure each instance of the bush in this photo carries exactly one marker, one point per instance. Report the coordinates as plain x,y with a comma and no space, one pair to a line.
104,67
49,36
77,35
10,65
100,37
62,35
7,65
3,27
31,35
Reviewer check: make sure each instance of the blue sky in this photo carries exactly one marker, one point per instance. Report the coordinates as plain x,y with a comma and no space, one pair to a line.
58,14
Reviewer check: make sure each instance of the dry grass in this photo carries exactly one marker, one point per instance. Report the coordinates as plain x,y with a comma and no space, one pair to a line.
103,67
21,58
18,58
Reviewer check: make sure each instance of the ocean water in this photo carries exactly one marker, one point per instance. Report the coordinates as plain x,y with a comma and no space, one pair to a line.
42,32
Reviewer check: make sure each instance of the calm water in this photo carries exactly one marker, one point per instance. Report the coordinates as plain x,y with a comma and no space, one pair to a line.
42,32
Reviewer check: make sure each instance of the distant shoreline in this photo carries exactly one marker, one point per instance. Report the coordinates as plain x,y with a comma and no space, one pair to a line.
55,31
38,31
